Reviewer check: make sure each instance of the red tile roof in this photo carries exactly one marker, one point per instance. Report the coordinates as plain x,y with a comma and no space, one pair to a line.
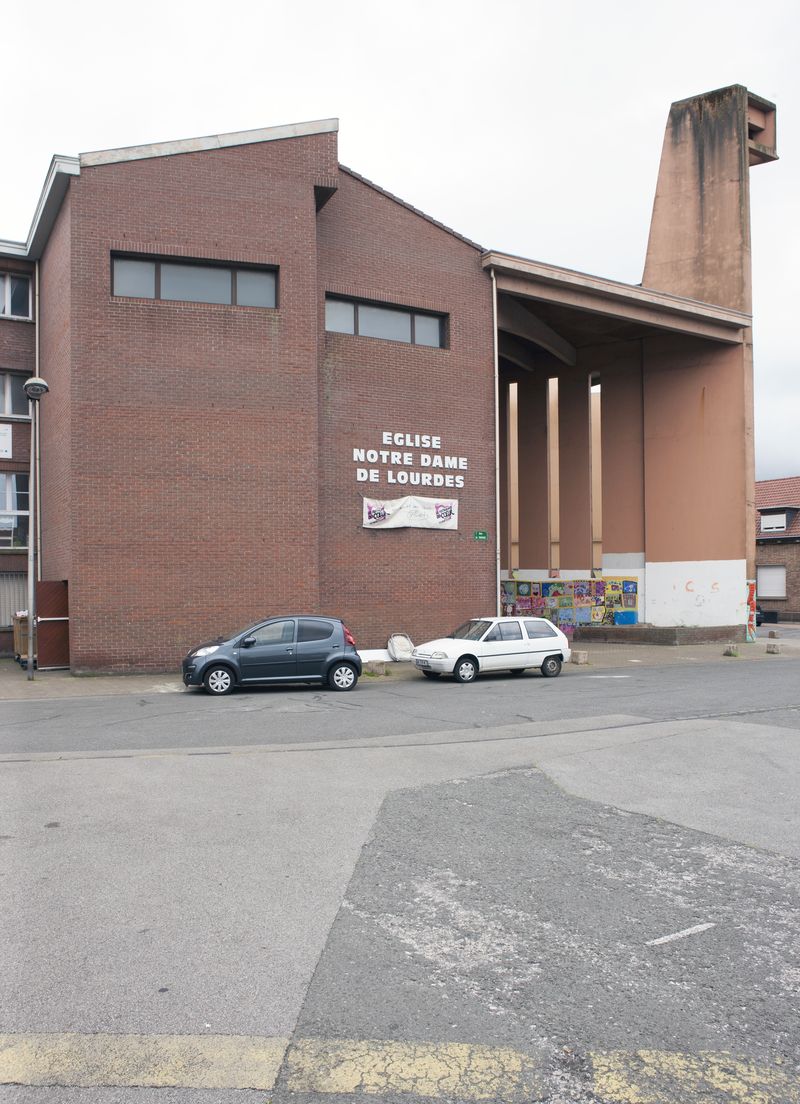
773,494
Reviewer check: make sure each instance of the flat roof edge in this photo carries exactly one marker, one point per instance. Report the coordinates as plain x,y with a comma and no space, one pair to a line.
539,272
209,142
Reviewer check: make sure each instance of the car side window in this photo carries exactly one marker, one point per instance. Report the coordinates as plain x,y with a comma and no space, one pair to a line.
276,632
510,630
536,629
313,630
493,635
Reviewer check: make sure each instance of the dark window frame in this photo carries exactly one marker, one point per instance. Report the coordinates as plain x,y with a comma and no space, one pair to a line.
6,397
5,294
443,320
195,262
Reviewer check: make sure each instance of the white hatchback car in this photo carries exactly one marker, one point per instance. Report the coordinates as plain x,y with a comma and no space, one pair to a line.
495,644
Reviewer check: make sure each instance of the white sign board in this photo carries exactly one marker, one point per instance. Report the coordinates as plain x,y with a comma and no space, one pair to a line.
410,513
5,442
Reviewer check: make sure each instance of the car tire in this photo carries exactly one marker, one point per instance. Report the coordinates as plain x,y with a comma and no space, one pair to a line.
466,669
551,667
431,674
517,671
218,680
342,676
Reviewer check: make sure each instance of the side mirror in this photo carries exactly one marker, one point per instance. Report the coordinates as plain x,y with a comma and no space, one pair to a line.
248,642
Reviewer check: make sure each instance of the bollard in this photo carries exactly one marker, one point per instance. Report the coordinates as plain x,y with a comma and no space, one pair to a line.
773,649
772,634
580,657
732,650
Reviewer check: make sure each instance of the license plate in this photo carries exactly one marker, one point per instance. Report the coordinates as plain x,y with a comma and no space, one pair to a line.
422,663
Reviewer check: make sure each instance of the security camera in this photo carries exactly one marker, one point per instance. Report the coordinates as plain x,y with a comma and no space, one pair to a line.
35,387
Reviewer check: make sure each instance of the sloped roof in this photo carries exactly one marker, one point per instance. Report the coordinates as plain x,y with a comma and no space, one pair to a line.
777,494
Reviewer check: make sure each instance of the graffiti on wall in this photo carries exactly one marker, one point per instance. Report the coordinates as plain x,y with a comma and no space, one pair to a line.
572,603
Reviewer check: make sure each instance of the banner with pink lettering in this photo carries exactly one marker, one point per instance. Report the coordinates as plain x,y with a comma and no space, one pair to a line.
410,512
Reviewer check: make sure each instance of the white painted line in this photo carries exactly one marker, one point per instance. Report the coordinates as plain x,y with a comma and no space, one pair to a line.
609,676
679,935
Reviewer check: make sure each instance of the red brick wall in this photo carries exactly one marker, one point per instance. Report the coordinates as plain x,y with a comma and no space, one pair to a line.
194,427
55,409
17,353
416,581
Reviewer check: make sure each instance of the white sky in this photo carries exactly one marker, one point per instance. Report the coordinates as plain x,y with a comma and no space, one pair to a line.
531,127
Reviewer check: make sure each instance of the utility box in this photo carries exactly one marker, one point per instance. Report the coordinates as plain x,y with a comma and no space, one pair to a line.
21,639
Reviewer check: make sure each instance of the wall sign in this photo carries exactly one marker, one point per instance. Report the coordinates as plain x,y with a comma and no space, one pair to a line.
410,459
6,447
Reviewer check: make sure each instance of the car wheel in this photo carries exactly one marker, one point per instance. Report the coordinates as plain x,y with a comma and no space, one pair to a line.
342,676
517,671
466,669
218,680
431,674
551,666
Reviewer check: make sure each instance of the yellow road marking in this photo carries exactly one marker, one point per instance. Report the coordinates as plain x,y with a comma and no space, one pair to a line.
660,1077
424,1069
176,1061
376,1067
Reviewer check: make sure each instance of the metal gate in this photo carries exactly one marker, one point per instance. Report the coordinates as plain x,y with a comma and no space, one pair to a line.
52,625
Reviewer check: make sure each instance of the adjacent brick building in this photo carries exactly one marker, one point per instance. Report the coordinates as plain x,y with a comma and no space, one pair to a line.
778,547
254,353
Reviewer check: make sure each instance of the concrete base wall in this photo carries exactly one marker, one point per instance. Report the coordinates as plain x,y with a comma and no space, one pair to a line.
660,634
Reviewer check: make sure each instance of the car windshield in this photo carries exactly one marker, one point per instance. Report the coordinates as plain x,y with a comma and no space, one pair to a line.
470,630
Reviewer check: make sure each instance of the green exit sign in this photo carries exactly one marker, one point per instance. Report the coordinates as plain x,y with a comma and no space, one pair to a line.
480,534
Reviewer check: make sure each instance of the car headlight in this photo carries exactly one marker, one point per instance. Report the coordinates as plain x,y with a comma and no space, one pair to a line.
438,655
206,651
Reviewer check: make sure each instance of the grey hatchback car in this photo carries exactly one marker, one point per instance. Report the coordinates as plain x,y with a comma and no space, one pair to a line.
280,649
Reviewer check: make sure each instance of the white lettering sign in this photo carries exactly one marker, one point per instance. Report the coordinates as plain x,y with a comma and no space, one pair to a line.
375,464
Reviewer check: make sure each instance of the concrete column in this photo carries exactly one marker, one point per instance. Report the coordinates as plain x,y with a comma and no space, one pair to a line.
533,472
574,464
619,368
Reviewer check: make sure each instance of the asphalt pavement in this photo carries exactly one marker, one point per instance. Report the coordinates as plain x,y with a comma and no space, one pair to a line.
581,890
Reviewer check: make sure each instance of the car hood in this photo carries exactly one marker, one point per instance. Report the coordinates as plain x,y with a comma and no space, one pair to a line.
443,644
209,643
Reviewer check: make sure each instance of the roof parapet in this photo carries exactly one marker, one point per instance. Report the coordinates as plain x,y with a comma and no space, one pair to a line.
210,142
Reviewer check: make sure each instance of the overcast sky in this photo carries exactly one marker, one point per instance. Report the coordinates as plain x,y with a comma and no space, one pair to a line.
534,128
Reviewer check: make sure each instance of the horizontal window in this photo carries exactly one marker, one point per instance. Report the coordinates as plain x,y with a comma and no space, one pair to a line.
14,510
15,295
771,582
13,399
773,523
351,316
194,283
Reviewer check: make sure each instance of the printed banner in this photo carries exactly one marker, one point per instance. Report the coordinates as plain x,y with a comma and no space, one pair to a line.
410,512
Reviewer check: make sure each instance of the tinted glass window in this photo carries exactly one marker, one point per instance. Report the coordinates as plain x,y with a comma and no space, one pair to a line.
195,283
135,278
536,629
391,325
511,631
471,630
20,296
314,630
339,316
255,289
427,330
492,636
19,400
277,632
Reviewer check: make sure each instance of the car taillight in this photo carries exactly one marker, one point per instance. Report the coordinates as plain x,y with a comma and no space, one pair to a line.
348,636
